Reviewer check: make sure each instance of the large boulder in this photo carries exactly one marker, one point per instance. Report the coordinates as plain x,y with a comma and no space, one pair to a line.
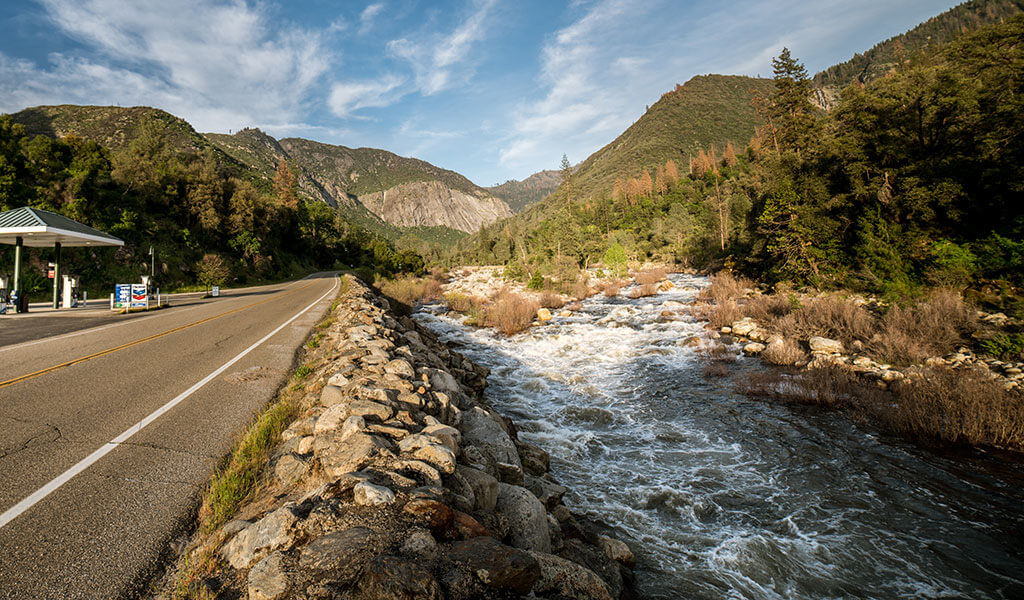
565,579
496,565
481,430
527,517
485,487
826,345
268,579
338,556
394,578
339,456
272,532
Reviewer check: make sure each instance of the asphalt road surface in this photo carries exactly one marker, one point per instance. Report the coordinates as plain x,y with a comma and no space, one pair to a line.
108,434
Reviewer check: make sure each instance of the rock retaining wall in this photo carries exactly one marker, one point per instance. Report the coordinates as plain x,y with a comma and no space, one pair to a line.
396,481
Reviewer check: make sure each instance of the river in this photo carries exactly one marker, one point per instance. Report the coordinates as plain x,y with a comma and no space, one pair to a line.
722,496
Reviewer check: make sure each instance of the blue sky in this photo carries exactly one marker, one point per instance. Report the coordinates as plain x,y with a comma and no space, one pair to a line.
493,89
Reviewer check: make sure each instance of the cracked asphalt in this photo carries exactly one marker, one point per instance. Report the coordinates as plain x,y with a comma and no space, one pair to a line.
107,532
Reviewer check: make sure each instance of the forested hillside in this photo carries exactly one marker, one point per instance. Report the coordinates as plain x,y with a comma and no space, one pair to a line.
163,186
520,194
914,179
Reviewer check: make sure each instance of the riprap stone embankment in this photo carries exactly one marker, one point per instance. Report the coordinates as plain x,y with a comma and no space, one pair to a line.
396,481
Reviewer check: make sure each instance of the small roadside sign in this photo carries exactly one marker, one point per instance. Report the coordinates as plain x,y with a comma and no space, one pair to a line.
140,297
122,295
215,291
50,274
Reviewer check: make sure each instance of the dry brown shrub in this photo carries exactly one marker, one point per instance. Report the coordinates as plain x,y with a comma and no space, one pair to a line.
767,309
724,286
643,291
576,289
611,288
650,276
959,406
549,299
787,352
719,315
509,312
829,316
934,327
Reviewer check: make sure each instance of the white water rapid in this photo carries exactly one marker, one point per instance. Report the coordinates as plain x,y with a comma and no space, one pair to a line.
721,496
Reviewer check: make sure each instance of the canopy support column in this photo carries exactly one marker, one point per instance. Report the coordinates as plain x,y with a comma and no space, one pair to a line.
56,275
17,264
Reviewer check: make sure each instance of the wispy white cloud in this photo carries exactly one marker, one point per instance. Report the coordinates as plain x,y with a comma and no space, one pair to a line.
435,58
367,17
347,97
218,65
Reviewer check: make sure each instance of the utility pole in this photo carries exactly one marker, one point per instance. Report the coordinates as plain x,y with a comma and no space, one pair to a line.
152,263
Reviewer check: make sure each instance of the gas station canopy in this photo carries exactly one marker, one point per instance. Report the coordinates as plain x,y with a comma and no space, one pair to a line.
39,228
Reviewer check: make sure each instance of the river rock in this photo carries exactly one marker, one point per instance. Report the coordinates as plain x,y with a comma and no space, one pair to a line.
270,533
449,436
338,457
826,345
441,457
485,487
289,468
496,565
421,544
268,579
743,326
617,550
753,348
527,517
369,409
535,460
442,381
367,494
400,367
338,556
331,419
543,314
549,493
394,578
482,431
566,579
433,514
332,395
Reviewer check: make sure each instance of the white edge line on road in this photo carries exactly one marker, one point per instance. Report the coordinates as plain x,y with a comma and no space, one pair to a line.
16,510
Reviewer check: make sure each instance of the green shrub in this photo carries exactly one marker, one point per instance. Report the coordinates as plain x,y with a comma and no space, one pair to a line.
536,282
1006,346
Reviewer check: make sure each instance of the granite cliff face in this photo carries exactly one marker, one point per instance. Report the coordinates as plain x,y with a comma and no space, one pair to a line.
434,203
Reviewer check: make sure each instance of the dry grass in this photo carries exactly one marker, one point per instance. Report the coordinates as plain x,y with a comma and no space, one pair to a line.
650,276
463,303
785,353
549,299
578,289
719,315
724,287
829,316
644,290
829,386
934,327
959,407
410,290
767,309
509,312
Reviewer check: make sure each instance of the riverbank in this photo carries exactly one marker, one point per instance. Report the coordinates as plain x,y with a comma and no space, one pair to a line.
924,370
389,477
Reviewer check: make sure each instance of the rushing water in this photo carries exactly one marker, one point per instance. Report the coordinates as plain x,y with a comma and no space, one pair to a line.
721,496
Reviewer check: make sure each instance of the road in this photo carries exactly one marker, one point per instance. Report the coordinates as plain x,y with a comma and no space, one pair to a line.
90,504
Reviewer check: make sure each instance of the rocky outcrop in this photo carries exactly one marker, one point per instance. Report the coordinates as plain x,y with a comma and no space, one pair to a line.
394,481
434,203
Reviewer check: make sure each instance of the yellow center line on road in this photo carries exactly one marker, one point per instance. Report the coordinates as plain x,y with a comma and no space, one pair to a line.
82,359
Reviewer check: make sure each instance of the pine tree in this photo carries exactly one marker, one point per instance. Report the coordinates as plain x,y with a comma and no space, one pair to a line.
791,113
285,186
